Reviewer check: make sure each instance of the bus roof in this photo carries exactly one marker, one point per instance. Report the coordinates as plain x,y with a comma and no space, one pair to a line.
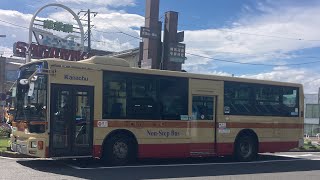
116,64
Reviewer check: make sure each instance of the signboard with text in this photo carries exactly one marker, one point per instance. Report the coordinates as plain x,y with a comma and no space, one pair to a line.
177,52
146,32
41,51
54,39
57,26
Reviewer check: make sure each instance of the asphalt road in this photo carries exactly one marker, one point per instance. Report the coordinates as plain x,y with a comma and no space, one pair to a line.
292,166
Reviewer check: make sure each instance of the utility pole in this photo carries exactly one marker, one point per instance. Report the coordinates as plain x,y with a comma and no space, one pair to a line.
87,14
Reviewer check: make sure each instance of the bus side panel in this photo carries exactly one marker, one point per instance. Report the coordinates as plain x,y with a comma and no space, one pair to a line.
275,134
156,139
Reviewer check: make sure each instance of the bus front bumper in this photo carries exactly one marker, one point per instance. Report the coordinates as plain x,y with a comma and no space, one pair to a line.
19,148
30,147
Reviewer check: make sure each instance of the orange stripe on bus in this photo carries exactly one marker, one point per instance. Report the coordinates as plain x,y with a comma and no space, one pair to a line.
193,124
38,122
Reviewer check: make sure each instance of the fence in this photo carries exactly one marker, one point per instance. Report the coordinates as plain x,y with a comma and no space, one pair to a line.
311,129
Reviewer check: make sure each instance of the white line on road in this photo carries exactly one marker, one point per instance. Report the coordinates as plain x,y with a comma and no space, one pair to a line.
3,157
293,156
181,165
303,155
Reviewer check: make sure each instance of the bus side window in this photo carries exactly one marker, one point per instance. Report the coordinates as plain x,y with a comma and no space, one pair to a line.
116,110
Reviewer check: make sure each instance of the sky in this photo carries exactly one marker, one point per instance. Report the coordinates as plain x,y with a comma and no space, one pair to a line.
260,39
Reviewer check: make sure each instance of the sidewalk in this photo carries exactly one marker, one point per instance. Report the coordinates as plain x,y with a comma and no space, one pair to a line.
13,154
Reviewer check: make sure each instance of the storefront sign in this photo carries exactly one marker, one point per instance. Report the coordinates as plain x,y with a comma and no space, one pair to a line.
51,45
57,26
41,52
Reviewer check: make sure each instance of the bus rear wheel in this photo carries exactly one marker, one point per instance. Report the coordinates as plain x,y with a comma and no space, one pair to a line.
245,148
118,150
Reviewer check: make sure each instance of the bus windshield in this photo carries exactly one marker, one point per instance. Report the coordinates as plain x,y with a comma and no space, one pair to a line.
31,97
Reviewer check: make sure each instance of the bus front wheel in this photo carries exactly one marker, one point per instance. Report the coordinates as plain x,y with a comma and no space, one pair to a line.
245,148
118,150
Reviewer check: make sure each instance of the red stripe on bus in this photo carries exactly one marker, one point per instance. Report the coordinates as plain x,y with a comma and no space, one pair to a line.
198,149
264,125
193,124
97,151
277,146
47,152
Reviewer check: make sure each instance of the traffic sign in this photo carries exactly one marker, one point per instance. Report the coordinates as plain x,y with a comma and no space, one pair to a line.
146,32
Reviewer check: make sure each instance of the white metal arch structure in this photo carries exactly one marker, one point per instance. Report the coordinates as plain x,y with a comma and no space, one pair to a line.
28,57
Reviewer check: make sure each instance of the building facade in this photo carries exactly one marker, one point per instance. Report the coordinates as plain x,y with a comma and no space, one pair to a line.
312,114
131,55
9,72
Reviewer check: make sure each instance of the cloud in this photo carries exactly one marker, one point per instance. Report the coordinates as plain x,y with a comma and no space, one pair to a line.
5,51
16,17
109,32
265,37
13,33
112,3
307,77
270,36
112,30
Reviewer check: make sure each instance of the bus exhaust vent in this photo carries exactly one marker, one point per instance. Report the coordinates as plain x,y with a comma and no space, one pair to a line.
106,60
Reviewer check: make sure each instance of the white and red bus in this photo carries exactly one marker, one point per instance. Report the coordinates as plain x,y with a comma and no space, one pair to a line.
102,108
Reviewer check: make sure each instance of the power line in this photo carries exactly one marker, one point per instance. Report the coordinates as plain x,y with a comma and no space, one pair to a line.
271,36
312,80
252,34
111,32
95,40
256,64
14,24
120,32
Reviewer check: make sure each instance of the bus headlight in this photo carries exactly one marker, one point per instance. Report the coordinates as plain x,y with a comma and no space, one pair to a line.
33,144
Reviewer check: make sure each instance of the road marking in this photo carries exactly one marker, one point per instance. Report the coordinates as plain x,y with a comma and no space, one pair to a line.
181,165
303,155
19,159
293,156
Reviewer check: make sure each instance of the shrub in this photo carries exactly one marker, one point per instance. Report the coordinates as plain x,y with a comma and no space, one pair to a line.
309,143
5,130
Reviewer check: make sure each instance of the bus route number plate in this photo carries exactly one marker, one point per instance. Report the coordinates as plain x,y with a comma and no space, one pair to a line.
102,124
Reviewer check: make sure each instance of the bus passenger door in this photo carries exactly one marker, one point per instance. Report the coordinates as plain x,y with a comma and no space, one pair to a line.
71,120
204,96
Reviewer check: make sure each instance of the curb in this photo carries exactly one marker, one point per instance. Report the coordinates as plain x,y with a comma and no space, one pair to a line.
305,151
13,154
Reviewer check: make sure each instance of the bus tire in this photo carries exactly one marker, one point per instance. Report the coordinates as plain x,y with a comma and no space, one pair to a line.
118,150
246,148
